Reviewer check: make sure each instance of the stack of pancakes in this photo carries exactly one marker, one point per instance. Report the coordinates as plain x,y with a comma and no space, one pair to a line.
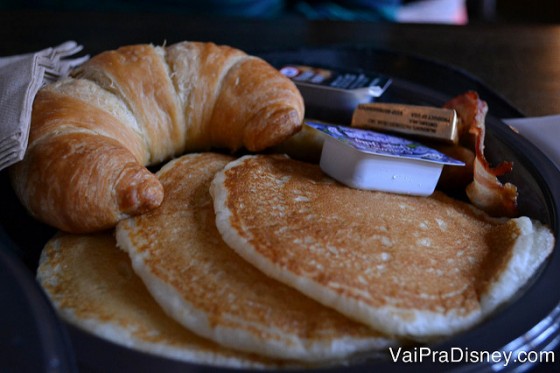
264,261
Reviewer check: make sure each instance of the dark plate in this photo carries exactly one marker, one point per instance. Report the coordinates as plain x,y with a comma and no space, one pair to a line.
530,322
32,338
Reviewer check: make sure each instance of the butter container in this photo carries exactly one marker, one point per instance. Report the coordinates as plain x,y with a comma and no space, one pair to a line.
365,159
423,121
334,93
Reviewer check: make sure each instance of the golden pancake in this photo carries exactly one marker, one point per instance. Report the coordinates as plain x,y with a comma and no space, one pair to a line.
92,285
204,285
417,267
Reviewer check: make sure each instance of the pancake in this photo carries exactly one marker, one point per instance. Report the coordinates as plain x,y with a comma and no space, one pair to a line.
416,267
92,285
204,285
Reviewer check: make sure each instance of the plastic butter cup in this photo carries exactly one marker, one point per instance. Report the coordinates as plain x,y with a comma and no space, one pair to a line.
377,172
365,159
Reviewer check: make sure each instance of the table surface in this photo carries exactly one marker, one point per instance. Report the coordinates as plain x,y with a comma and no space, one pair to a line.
519,62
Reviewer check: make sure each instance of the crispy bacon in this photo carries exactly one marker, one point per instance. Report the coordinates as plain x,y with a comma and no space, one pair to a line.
485,191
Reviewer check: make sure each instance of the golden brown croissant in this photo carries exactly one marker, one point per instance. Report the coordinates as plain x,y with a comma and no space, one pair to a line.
93,134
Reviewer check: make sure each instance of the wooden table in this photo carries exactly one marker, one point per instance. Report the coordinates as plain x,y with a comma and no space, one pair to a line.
520,62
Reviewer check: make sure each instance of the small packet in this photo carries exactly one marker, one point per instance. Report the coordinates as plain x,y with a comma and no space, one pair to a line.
439,124
365,159
337,93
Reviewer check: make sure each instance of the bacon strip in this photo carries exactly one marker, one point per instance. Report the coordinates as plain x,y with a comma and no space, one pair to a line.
485,191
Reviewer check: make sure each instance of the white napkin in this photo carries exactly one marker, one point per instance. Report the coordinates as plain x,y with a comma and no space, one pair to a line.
20,78
543,131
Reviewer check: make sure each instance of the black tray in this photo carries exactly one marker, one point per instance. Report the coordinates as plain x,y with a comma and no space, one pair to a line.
530,322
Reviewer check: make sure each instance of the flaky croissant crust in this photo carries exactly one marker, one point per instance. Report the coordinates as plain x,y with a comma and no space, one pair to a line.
93,134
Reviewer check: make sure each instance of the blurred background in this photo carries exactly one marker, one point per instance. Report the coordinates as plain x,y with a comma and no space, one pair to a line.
459,12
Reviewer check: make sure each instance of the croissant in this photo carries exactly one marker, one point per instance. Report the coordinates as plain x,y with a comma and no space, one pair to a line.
94,134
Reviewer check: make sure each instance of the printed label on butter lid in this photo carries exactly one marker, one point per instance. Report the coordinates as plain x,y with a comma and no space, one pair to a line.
383,144
375,84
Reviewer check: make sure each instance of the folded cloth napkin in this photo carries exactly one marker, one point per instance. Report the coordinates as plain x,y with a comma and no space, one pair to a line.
543,132
21,77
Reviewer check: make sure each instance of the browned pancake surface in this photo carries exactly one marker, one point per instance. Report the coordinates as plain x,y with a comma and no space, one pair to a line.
408,265
92,285
206,286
